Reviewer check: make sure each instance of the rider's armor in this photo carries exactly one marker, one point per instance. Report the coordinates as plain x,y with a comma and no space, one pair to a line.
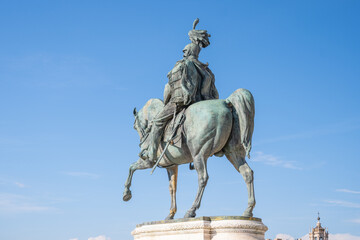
176,91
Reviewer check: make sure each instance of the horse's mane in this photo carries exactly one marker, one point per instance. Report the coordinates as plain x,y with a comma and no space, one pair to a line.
151,108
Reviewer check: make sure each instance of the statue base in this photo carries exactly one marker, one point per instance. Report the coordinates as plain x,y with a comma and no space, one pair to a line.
202,228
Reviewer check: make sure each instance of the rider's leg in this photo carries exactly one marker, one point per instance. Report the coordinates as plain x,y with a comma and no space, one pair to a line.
158,128
149,148
155,136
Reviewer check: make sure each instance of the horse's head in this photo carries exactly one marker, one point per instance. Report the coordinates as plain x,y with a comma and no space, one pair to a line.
144,116
140,123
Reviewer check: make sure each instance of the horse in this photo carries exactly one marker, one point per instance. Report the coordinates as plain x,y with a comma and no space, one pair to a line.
211,127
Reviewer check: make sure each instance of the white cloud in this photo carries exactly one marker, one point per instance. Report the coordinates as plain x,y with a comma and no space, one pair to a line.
323,130
306,237
274,161
73,239
82,174
355,220
338,236
284,236
347,191
101,237
19,204
54,71
11,182
343,236
20,185
343,203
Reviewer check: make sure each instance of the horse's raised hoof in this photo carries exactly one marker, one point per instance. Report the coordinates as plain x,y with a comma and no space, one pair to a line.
127,195
190,214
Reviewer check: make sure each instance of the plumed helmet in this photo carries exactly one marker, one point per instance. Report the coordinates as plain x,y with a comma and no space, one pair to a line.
199,37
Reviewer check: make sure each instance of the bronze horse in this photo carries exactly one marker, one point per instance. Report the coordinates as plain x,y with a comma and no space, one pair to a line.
213,127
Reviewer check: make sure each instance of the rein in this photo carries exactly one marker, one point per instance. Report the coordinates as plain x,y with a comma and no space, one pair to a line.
145,133
144,137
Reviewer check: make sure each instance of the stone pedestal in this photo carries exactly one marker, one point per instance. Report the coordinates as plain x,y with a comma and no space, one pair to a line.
202,228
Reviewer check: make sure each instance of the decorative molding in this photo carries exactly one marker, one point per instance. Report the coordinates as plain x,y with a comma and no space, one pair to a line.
202,229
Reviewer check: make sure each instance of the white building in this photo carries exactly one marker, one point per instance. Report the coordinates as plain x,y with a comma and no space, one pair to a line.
318,233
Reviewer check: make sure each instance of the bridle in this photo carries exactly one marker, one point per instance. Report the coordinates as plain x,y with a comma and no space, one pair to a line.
144,131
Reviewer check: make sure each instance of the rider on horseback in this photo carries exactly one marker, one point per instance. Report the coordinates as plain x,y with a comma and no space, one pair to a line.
190,81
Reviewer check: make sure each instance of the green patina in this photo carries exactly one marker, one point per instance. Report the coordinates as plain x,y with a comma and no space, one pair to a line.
210,126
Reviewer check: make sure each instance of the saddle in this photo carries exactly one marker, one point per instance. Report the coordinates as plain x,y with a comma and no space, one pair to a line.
176,124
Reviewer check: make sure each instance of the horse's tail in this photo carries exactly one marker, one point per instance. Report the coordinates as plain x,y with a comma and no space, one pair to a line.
244,112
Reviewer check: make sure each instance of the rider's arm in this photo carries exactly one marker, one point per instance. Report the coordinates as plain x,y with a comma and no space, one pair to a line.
167,94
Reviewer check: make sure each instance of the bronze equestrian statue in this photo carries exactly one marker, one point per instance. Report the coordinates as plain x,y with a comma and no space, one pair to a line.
207,126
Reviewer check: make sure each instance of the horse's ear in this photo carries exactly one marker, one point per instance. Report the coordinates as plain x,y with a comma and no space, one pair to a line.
135,112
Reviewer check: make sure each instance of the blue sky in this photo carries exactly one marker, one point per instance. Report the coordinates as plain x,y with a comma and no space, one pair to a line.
72,71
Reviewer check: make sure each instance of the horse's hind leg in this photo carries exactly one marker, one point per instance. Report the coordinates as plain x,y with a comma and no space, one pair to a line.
239,162
200,166
172,174
139,164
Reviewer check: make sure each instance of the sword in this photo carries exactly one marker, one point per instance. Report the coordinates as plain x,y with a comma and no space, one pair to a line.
167,144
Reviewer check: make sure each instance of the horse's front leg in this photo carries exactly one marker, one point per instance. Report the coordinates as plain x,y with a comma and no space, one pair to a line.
138,165
172,174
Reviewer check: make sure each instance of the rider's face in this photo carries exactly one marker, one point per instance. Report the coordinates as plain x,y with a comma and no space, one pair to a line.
186,52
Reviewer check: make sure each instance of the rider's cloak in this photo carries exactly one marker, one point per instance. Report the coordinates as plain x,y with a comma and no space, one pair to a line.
197,81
